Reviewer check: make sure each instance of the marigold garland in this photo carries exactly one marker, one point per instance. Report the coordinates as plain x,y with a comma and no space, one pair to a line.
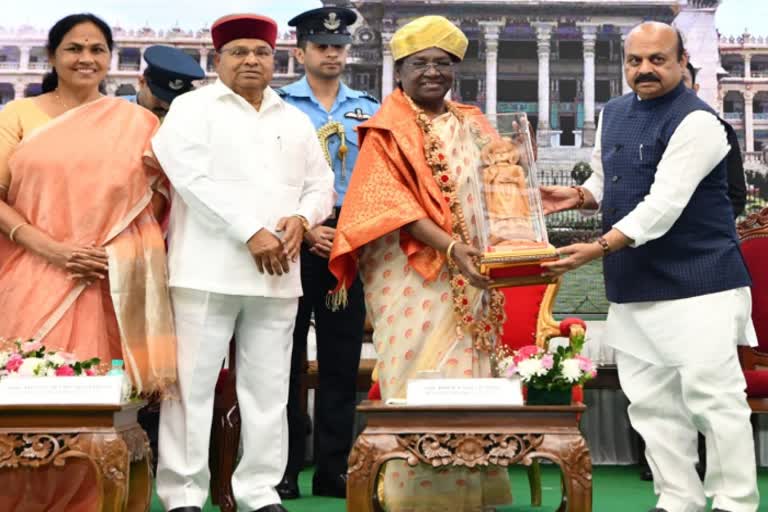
486,328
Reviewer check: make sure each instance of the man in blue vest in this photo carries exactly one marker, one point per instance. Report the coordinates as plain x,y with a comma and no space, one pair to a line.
675,279
322,39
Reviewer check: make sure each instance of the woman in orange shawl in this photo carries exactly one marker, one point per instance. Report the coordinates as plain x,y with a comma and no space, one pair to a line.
410,222
82,266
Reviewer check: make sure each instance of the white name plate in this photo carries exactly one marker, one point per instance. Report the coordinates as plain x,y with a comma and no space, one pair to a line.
96,390
464,392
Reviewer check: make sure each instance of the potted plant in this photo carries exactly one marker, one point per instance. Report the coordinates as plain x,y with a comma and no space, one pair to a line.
549,375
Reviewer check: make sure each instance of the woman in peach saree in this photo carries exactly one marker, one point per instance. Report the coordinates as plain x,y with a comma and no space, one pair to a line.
410,224
82,265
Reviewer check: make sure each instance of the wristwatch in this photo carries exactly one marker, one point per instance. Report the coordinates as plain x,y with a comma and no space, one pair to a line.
304,222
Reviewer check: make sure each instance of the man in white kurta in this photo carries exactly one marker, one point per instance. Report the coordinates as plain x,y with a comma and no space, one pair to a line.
676,357
248,176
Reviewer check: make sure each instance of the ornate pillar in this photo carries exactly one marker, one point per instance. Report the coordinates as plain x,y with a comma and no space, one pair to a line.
387,65
749,126
142,62
111,87
747,65
491,31
625,88
291,64
18,90
115,63
589,35
24,58
204,59
544,41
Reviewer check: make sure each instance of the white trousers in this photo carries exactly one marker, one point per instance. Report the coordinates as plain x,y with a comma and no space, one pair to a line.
669,405
205,323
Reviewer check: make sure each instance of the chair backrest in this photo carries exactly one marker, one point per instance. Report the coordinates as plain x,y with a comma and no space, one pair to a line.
529,315
753,233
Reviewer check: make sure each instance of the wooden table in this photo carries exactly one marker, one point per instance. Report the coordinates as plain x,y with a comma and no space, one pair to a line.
442,436
106,436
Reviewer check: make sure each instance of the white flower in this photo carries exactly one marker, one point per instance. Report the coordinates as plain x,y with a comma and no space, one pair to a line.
4,356
571,370
50,372
30,365
530,368
55,359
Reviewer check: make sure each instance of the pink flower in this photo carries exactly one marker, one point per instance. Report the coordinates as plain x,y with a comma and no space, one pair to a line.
585,364
511,370
548,361
14,363
90,373
31,346
65,371
526,352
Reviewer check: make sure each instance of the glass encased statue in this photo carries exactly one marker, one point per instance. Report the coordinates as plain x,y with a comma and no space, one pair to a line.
513,231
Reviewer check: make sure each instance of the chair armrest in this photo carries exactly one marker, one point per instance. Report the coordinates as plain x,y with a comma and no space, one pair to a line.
752,359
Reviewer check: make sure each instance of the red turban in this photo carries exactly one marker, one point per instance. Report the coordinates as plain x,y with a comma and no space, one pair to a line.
243,26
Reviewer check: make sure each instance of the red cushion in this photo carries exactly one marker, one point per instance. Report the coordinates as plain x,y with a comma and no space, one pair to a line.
375,392
757,383
522,305
566,324
755,252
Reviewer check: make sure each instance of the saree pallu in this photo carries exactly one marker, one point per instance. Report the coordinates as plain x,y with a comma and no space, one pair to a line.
415,329
81,178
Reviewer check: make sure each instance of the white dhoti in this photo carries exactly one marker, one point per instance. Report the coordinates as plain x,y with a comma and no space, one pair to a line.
678,365
205,323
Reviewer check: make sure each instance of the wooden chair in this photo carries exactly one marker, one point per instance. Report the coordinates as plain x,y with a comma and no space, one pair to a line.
753,233
225,437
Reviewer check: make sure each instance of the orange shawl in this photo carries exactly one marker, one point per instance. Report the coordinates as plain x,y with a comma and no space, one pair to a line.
81,179
392,185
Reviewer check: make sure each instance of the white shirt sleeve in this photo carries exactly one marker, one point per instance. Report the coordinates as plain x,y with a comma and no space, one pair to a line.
184,154
595,182
318,195
698,144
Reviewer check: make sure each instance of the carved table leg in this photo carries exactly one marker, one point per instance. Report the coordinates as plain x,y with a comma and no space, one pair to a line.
570,452
111,455
534,481
140,472
368,454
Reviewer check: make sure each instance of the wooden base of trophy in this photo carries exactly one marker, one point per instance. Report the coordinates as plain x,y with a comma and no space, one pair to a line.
517,266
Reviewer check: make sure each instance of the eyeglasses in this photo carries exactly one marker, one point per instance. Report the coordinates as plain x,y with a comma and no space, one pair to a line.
442,66
241,52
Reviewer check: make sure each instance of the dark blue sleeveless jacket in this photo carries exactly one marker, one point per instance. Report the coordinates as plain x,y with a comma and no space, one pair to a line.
700,253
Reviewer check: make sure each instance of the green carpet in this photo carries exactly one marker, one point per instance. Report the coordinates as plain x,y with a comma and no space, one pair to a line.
616,488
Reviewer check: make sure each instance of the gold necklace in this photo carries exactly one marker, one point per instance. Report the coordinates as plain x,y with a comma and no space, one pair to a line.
58,97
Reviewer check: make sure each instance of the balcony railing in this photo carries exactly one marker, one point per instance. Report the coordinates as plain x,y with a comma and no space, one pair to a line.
38,65
736,116
128,66
517,106
9,65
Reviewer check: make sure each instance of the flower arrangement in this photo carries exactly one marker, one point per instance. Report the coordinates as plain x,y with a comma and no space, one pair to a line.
557,370
31,359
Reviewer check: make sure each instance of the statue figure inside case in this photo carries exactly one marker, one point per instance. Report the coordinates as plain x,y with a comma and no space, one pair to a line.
513,231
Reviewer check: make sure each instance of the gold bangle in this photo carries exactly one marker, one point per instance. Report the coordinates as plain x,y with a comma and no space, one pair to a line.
604,244
580,203
448,255
12,232
304,222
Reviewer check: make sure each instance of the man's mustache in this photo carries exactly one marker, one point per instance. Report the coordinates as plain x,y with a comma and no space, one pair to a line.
646,78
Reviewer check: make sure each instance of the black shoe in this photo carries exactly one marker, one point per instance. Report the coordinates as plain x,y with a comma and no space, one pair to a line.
658,510
288,488
275,507
334,487
186,509
719,510
647,476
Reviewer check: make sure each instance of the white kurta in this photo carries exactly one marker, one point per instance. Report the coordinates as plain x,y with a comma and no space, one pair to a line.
677,359
670,331
235,170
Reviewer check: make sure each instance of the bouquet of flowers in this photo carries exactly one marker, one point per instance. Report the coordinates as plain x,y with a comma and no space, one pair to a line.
554,370
31,359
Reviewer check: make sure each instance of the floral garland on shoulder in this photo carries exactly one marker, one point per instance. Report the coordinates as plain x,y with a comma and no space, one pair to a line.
489,325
